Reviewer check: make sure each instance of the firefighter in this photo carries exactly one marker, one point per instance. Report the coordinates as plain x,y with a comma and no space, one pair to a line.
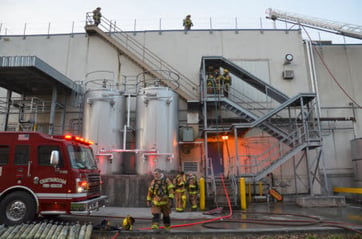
97,16
227,82
210,83
187,23
127,223
180,192
159,197
192,190
219,80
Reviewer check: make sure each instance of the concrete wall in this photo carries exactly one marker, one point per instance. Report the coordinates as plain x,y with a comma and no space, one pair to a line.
338,69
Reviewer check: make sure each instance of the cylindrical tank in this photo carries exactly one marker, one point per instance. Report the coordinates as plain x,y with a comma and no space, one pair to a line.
103,119
356,149
157,130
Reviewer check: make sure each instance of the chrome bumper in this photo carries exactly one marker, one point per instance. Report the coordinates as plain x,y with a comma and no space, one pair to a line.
86,207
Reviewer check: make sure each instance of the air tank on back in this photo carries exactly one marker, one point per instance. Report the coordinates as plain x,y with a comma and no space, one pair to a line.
157,129
103,119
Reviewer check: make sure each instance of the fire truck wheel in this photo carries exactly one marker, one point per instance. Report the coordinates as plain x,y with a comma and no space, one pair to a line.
16,208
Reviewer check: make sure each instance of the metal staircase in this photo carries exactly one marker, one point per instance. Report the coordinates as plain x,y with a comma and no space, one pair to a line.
253,120
220,194
293,121
247,77
144,58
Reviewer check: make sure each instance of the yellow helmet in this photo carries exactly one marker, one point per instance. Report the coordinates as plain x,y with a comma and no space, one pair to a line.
226,71
127,223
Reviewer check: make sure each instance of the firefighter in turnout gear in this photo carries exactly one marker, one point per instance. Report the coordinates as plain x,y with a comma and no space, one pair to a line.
180,192
192,189
159,197
210,82
219,81
187,23
227,82
97,16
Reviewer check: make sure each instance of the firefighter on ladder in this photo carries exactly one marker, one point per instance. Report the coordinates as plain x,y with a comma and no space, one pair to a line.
159,197
180,191
192,190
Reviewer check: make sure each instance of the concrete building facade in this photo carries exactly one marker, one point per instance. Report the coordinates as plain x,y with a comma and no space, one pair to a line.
330,72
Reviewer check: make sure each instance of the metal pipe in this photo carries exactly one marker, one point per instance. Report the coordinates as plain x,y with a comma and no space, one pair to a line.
8,102
48,30
52,111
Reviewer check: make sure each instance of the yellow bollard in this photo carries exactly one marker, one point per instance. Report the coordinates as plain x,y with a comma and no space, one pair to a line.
242,194
202,193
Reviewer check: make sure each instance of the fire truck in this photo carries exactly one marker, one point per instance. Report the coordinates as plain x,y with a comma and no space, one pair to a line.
47,175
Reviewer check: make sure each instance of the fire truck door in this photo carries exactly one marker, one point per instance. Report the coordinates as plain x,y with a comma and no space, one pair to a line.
49,179
22,165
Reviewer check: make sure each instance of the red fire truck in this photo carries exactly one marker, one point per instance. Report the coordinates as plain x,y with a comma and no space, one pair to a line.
46,175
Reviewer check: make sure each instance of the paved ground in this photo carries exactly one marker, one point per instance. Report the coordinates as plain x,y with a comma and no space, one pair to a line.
258,219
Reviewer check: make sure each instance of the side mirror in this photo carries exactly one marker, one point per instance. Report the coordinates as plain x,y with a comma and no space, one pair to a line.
54,158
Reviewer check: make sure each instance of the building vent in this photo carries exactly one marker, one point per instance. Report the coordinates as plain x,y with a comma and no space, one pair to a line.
288,75
190,166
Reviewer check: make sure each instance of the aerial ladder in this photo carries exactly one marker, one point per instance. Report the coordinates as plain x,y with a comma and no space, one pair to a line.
345,29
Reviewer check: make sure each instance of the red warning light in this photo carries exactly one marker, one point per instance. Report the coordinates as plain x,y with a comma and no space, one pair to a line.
78,139
68,136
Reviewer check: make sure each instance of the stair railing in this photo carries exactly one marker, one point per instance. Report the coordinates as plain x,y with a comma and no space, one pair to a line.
253,164
143,53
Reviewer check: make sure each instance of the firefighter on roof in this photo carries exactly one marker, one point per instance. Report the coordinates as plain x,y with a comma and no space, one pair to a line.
97,16
180,192
187,23
159,196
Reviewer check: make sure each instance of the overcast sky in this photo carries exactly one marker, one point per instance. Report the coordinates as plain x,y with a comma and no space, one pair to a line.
63,15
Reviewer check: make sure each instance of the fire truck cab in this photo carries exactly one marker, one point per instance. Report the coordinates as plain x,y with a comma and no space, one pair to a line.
46,175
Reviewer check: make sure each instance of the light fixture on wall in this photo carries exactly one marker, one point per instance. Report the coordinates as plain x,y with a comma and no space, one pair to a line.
288,58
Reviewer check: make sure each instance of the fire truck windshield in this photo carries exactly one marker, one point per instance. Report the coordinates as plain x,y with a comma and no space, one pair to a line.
81,157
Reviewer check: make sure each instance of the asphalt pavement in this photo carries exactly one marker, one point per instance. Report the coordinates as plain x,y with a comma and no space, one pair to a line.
259,218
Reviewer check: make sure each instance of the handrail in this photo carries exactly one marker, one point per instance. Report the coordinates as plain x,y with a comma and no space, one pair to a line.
213,182
146,55
258,163
234,185
274,111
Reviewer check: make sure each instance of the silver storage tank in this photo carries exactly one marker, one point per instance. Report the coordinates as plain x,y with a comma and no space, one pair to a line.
103,120
356,149
156,130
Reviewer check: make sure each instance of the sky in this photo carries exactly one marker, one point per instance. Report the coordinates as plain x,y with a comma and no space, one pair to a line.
65,16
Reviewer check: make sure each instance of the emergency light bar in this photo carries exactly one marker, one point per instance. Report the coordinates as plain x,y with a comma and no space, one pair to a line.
78,139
